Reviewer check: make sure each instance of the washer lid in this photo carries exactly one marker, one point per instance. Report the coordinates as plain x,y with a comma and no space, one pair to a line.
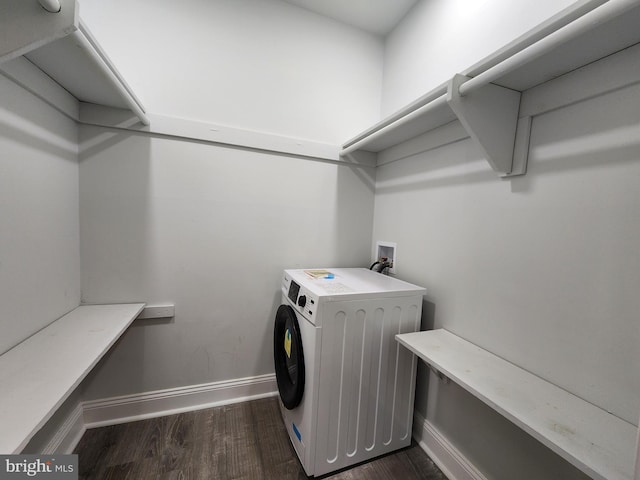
338,283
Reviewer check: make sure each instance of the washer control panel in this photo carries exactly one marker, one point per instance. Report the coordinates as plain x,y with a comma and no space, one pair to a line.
301,299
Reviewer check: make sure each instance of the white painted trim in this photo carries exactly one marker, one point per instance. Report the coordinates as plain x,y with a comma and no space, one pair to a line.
68,435
443,453
28,76
210,132
129,408
636,475
102,116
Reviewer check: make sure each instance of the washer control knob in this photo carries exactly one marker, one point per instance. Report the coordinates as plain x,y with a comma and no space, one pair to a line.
302,300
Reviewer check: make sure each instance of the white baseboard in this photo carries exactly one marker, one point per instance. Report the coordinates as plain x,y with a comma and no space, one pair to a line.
444,454
68,435
129,408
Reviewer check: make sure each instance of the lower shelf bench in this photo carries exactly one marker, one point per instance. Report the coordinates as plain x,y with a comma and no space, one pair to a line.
592,439
40,373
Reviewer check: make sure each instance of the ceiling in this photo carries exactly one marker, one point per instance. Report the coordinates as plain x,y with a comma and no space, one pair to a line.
375,16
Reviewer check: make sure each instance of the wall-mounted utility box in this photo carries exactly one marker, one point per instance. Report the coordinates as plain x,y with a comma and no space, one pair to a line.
388,251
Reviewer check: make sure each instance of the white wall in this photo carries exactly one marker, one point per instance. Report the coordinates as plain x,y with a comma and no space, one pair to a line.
542,270
210,229
39,232
262,65
442,37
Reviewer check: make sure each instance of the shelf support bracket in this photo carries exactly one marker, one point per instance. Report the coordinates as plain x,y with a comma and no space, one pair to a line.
490,116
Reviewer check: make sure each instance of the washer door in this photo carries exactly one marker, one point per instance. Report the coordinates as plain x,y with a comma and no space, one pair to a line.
288,357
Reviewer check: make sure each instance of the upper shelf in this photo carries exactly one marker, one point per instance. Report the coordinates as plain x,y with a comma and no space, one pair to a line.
60,45
578,36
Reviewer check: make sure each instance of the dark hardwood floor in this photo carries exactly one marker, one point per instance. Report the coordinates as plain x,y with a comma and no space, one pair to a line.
244,441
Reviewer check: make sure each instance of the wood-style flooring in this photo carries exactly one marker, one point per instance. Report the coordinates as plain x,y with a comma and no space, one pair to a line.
243,441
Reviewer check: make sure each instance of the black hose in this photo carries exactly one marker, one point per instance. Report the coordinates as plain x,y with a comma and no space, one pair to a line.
383,266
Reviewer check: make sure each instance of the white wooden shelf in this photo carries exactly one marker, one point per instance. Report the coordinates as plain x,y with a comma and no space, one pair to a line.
595,441
485,97
61,46
40,373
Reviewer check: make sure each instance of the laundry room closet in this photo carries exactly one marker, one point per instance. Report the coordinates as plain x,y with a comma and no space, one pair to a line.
249,155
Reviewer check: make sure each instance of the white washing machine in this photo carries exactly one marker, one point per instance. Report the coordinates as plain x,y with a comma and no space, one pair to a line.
346,386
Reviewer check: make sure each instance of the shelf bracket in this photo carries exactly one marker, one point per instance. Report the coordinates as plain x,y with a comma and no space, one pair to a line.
490,116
